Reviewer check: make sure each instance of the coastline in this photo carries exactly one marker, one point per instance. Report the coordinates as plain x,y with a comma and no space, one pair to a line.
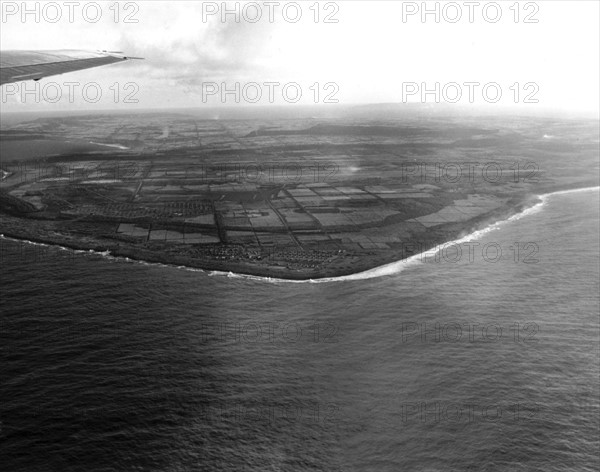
367,268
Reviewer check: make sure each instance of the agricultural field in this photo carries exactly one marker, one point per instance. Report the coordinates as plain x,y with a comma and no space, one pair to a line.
289,198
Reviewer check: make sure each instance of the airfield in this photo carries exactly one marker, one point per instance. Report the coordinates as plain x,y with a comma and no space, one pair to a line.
294,198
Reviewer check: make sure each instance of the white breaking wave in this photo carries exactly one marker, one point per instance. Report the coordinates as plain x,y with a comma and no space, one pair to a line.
564,192
392,268
105,254
396,267
118,146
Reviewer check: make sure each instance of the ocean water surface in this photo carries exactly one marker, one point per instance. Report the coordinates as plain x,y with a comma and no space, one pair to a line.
485,359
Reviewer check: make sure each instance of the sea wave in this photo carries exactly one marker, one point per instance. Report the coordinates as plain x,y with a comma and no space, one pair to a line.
396,267
118,146
391,268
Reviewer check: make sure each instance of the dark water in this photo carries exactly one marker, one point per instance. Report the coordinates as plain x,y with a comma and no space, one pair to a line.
110,365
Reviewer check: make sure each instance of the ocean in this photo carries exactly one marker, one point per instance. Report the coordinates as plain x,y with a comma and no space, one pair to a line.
483,356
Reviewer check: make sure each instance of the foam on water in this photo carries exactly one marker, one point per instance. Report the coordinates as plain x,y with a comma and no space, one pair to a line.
392,268
118,146
396,267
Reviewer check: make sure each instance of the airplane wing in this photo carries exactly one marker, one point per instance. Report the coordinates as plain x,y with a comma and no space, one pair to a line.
34,65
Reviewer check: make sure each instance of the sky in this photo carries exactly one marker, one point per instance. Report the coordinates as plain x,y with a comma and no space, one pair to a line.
516,55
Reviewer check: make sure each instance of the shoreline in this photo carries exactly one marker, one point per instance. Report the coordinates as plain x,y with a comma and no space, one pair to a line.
369,268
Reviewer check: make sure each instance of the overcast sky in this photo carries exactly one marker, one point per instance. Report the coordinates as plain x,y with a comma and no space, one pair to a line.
371,54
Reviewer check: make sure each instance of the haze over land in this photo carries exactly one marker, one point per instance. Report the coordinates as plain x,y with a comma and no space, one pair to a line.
289,198
478,113
193,279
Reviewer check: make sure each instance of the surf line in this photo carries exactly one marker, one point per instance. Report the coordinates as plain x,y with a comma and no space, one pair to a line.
391,268
396,267
90,252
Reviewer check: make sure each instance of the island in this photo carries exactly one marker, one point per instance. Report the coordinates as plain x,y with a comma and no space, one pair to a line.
284,197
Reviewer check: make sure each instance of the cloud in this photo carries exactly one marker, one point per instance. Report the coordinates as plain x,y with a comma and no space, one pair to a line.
182,50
